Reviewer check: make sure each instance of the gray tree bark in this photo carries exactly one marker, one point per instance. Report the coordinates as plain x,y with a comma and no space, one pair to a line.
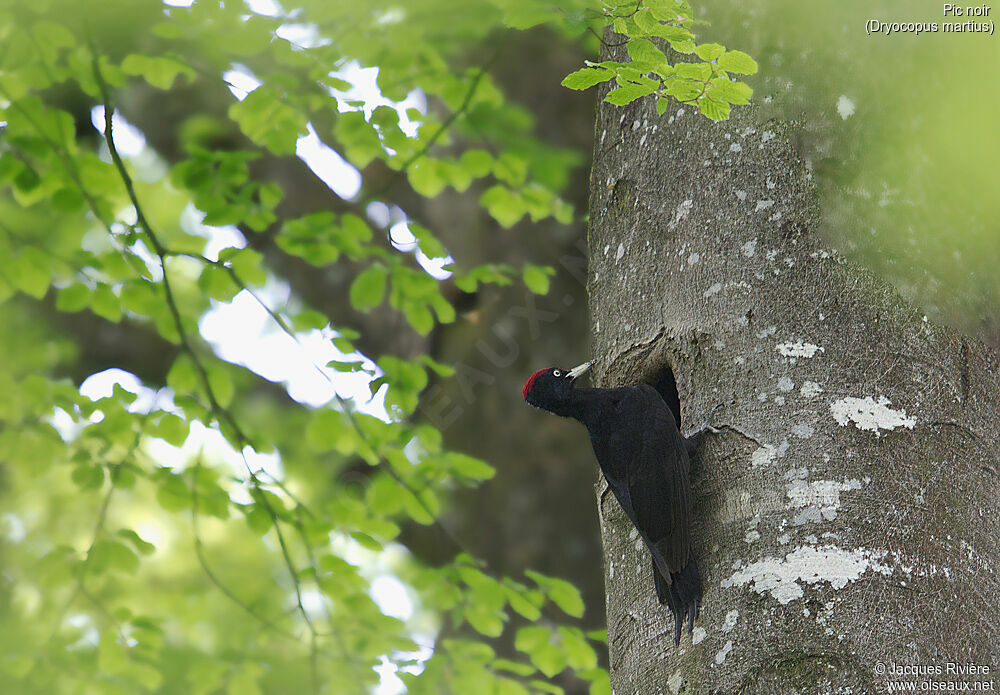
846,517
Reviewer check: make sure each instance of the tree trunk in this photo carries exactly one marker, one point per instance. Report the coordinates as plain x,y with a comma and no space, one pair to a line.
846,517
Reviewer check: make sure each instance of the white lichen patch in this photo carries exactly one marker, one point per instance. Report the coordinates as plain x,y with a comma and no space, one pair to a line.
763,455
724,652
799,349
767,332
698,635
785,384
810,389
817,500
752,537
783,578
803,430
674,682
845,107
749,248
714,289
870,415
694,258
736,147
681,212
620,252
731,618
763,205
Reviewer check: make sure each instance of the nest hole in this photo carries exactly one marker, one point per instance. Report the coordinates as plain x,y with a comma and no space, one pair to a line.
664,382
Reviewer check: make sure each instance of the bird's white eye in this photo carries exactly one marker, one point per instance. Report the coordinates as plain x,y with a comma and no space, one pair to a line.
556,372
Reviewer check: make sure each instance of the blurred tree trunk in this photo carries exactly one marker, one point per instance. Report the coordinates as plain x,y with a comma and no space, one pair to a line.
847,514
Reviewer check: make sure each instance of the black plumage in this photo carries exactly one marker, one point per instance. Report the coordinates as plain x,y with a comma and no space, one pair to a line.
644,458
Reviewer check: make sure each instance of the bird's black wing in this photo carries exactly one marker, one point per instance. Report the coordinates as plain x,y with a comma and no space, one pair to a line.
658,484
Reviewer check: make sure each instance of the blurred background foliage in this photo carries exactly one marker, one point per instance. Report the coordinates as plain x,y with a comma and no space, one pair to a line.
898,130
306,466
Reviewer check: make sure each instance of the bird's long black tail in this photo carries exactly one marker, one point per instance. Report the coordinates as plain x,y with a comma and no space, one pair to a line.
682,595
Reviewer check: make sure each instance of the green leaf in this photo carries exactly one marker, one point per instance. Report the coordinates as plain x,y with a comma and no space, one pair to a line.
511,168
406,381
646,22
427,242
739,62
258,518
361,142
221,383
217,283
172,429
469,467
384,495
598,635
88,477
265,117
105,304
684,90
645,51
484,621
683,46
368,288
514,667
579,653
73,298
247,263
732,92
531,638
442,370
505,206
172,494
526,602
585,78
537,643
717,111
477,163
423,507
628,93
709,51
426,177
536,278
328,430
560,592
309,320
341,366
112,555
694,71
30,271
159,71
135,540
182,377
600,686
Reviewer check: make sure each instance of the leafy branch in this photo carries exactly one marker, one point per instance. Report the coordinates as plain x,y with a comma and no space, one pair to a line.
707,83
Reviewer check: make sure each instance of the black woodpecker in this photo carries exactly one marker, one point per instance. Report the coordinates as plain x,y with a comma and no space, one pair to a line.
644,458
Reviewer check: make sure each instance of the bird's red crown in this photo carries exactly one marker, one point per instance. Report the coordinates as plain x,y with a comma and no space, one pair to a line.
531,381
